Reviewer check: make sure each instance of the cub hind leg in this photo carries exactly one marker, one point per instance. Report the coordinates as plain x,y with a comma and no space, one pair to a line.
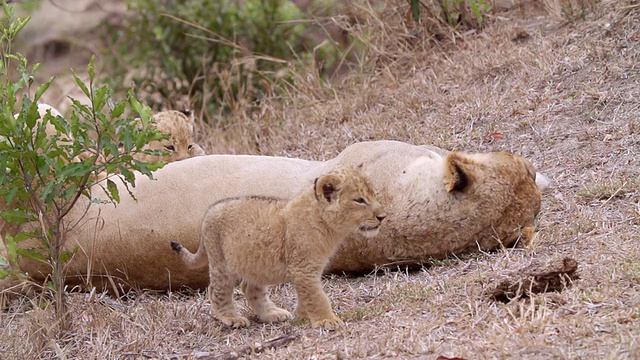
221,284
259,301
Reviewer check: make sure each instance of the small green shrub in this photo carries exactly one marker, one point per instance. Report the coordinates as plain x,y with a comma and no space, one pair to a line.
48,163
455,12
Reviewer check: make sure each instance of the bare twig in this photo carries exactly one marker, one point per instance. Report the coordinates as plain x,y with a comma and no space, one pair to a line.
275,342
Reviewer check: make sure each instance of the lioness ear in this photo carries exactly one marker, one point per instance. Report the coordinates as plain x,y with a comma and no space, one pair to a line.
327,187
458,173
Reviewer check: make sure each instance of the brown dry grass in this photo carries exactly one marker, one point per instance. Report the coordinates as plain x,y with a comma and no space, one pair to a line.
564,94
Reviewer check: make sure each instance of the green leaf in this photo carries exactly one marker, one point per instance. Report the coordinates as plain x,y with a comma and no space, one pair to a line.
113,190
100,99
58,122
118,110
12,248
148,167
15,216
48,191
8,11
415,10
4,274
66,255
73,169
21,24
70,192
11,193
32,254
42,88
91,69
81,85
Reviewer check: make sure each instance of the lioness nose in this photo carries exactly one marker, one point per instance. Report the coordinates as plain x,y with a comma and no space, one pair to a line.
380,217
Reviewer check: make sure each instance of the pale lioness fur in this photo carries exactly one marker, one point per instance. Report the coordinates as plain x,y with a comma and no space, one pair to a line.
437,203
266,241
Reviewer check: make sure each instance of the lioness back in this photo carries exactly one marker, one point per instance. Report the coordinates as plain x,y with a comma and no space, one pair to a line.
264,241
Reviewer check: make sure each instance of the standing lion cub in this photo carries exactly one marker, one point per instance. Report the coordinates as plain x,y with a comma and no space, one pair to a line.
266,241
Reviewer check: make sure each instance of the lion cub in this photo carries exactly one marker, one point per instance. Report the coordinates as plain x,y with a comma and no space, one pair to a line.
179,125
266,241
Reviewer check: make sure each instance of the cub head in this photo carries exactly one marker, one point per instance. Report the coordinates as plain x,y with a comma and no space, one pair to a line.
499,186
179,144
350,201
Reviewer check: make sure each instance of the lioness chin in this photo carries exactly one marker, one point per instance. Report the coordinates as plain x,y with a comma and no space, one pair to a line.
264,241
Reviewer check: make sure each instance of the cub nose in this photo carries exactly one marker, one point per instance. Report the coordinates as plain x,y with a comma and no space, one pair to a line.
380,217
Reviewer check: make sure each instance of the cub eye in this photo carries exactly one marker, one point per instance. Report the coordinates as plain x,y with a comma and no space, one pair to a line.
361,201
170,148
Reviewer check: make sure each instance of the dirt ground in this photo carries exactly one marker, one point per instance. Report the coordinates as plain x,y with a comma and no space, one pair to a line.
565,94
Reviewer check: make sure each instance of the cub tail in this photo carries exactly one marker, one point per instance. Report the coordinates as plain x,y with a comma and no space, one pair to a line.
197,260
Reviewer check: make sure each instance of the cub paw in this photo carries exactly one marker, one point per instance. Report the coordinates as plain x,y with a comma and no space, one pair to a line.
330,324
235,321
276,315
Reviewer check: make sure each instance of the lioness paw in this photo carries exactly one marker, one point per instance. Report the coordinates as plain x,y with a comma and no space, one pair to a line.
276,315
330,324
235,321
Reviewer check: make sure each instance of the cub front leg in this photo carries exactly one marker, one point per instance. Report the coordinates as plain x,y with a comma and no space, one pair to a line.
259,301
314,304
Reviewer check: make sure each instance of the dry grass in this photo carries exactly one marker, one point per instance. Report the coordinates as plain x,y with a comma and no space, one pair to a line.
563,93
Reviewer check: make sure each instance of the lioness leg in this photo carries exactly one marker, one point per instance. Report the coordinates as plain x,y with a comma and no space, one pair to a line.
221,284
314,304
262,306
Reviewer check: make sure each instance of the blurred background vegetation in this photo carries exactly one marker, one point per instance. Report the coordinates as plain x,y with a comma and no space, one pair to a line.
223,57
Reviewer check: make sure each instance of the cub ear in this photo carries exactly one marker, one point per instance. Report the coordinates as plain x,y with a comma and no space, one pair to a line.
458,172
189,114
528,165
327,187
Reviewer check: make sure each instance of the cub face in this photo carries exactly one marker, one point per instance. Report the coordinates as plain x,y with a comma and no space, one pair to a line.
179,144
350,200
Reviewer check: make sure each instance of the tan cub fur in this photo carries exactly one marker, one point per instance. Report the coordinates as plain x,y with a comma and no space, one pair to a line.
264,241
179,126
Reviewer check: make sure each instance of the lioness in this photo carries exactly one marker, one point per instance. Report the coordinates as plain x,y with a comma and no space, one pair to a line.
437,203
266,241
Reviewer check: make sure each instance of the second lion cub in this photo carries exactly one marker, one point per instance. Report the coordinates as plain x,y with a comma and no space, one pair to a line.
266,241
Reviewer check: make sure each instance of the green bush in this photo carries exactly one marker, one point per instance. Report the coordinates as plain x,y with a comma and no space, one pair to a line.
469,13
48,163
205,51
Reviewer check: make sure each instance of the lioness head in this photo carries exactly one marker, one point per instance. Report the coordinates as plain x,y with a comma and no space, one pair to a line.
179,144
349,200
501,186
